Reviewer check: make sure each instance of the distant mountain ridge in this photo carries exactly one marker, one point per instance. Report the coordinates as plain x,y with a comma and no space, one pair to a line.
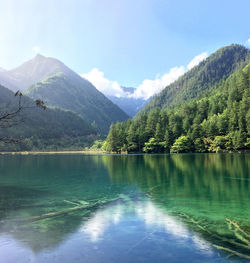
128,104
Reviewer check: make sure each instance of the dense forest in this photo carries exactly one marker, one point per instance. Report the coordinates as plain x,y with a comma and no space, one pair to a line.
38,129
217,120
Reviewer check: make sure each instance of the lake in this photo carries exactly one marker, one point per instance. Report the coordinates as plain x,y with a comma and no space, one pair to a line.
125,208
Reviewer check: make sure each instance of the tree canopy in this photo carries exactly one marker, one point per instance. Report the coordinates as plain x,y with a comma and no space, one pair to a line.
219,120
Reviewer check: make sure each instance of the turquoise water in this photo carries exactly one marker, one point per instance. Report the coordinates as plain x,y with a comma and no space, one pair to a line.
136,208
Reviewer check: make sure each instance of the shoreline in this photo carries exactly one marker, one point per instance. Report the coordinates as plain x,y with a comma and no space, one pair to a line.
103,153
51,152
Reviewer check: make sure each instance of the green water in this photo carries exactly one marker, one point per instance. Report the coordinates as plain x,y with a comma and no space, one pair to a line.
137,208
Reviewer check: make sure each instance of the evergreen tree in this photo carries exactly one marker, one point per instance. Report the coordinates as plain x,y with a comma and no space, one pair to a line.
181,145
217,121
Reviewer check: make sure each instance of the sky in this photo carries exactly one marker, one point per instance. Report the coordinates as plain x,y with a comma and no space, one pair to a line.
135,43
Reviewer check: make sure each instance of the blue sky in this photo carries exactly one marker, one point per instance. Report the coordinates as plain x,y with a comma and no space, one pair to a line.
128,40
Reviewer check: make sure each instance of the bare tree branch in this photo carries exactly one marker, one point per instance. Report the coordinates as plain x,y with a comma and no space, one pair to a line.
13,117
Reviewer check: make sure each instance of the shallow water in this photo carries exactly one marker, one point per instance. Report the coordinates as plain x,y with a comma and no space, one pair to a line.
155,208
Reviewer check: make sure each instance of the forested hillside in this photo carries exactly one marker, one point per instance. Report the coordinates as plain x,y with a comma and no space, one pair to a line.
40,129
215,68
216,120
71,92
52,81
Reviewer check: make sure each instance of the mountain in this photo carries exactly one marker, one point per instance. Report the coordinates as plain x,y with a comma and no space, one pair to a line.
66,89
2,70
42,128
52,81
215,68
7,81
219,121
32,72
128,104
206,110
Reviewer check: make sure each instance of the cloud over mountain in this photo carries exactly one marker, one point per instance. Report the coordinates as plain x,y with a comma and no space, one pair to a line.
108,87
148,88
196,60
151,87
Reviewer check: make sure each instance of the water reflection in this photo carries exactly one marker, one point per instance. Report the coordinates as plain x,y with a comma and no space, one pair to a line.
96,226
200,184
164,196
146,212
140,225
152,215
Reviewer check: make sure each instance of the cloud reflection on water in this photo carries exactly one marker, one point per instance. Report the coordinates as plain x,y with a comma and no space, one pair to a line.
96,226
147,212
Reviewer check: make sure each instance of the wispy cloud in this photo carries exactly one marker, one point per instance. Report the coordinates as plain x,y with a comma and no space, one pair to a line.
108,87
248,41
36,49
148,87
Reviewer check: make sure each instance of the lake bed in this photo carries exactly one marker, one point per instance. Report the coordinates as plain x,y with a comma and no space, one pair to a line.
132,208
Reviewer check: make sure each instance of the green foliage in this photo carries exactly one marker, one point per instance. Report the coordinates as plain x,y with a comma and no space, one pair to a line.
199,145
220,143
71,92
181,145
239,139
247,143
44,129
202,78
97,145
154,146
217,121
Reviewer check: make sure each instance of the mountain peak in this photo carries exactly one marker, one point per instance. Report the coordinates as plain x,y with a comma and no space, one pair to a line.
39,56
35,70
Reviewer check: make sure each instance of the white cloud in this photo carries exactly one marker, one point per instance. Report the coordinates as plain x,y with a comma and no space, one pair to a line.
248,41
36,49
108,87
196,60
148,87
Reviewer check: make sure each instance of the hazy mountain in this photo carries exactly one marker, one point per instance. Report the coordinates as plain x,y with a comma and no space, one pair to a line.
215,68
32,72
40,126
7,81
128,104
52,81
2,69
